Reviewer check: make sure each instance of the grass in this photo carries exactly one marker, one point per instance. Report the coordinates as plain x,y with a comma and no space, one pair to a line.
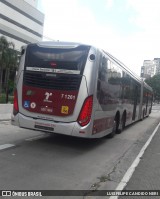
3,99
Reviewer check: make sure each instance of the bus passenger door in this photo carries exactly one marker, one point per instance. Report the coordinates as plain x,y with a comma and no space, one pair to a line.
135,98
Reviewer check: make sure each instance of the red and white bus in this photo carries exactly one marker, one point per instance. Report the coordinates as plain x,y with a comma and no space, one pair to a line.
78,90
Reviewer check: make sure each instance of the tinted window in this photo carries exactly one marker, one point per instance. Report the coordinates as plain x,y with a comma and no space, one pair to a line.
59,58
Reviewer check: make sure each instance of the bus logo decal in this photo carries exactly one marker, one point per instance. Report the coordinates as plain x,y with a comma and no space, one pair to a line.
47,97
64,109
26,104
33,105
30,92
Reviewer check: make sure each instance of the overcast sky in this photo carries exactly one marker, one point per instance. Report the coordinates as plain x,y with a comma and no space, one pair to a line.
128,29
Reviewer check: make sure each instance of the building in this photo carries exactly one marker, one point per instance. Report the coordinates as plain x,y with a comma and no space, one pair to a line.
150,68
21,22
33,3
157,63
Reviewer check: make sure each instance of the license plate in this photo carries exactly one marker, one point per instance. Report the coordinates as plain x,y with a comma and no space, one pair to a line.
44,128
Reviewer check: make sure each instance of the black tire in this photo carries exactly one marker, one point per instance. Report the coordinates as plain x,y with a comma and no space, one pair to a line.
114,129
143,116
122,124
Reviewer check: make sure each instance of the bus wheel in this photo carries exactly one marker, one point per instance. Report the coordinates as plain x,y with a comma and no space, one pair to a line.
114,129
143,116
122,124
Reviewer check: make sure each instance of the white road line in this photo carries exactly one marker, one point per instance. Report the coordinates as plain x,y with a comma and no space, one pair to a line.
5,146
131,169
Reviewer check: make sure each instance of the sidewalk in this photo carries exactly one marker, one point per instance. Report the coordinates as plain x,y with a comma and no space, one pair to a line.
5,111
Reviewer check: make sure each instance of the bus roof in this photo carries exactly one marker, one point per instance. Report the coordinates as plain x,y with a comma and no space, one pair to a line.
59,44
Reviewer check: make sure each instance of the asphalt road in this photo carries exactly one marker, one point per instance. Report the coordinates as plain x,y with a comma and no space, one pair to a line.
147,174
32,160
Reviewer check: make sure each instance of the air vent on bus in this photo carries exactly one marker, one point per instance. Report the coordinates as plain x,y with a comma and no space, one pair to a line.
57,82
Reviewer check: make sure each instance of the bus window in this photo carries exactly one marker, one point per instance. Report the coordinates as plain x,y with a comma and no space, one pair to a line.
72,59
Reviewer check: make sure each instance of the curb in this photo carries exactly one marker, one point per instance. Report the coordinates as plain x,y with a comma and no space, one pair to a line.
5,117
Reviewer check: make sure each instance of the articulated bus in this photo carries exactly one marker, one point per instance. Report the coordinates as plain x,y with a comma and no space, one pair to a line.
77,90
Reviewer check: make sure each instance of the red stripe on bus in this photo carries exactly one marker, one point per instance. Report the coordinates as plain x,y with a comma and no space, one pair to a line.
102,124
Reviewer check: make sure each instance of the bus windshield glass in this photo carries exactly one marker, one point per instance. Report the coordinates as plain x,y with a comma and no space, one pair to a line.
70,60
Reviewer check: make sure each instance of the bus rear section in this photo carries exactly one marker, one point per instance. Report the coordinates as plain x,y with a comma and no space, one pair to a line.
52,92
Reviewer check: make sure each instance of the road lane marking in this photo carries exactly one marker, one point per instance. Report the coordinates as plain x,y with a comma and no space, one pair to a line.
5,146
132,168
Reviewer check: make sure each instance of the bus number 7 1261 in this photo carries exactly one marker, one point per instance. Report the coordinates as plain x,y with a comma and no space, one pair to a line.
68,97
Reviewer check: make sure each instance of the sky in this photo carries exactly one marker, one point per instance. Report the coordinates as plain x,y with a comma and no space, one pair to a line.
128,29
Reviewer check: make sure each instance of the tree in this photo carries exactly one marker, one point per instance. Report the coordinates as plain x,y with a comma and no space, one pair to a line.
11,64
4,45
154,82
8,61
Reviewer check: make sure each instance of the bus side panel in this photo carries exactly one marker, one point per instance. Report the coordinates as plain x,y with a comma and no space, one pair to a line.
108,91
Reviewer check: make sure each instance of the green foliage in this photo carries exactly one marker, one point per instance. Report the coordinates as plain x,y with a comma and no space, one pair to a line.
8,65
154,82
10,87
3,99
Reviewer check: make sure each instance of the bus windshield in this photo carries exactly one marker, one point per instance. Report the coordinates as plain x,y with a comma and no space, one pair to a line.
70,59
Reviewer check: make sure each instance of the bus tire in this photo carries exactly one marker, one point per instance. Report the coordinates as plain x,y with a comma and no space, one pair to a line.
122,124
144,114
114,129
